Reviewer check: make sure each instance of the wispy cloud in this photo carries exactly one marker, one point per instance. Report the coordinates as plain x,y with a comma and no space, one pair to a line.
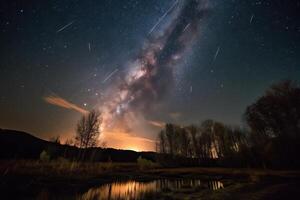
156,123
58,101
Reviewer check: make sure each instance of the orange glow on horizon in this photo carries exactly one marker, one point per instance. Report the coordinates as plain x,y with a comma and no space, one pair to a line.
120,139
133,149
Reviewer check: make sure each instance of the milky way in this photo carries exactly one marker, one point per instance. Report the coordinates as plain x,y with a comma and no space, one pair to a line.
142,63
151,73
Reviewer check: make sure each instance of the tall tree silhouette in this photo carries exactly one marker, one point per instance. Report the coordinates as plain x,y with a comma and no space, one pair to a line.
184,141
193,130
277,113
162,142
170,133
87,131
274,120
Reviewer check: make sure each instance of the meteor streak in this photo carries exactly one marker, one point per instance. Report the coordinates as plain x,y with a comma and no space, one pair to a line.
162,17
186,27
110,75
89,46
64,27
217,53
251,19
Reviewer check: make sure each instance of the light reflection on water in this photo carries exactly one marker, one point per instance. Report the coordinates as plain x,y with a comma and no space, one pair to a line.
137,190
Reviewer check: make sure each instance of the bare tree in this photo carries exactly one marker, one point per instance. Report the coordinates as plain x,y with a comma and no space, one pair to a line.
162,142
69,142
170,132
87,131
274,121
277,113
184,141
193,130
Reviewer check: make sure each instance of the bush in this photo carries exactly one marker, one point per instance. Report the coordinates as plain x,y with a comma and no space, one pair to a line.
144,163
44,156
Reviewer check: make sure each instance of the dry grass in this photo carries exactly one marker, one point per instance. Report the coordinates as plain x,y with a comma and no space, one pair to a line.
227,172
61,167
64,167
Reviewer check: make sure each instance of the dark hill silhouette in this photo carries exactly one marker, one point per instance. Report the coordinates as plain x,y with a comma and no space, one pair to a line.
21,145
18,144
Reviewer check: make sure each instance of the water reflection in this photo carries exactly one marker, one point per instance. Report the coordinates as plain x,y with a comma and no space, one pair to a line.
215,185
138,190
126,190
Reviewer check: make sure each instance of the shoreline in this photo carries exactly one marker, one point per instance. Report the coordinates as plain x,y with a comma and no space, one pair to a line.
28,181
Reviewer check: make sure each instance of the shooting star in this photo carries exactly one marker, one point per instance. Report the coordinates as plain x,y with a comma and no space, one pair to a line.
191,89
251,19
110,75
64,27
89,45
217,53
186,27
162,17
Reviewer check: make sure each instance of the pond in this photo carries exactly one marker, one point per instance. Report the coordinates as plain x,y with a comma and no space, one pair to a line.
142,190
134,190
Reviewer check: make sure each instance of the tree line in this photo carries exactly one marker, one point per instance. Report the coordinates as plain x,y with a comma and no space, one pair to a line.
271,137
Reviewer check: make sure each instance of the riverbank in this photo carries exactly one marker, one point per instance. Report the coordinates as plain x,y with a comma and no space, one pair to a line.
29,177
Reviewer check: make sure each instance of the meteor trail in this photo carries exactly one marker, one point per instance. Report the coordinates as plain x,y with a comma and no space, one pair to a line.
217,53
162,17
89,45
186,27
64,27
110,75
251,19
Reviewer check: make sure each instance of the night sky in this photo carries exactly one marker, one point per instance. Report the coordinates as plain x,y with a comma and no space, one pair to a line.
140,62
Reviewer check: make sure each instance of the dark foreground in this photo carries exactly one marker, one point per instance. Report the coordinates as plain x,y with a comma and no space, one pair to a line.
67,180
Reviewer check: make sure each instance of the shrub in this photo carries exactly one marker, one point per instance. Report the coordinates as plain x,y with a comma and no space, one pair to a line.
44,156
144,163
